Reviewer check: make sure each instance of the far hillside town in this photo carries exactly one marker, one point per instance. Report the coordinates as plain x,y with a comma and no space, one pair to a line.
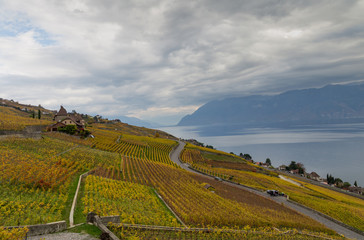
299,169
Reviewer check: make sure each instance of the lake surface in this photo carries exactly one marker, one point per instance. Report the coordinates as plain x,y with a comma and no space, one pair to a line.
337,149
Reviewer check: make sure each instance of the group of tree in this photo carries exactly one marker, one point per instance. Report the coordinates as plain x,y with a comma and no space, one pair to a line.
246,156
294,166
34,115
338,182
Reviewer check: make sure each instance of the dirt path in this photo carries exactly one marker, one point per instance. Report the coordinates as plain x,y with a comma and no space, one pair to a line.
290,180
312,214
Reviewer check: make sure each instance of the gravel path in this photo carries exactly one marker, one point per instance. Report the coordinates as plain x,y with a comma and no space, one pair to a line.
328,223
64,236
290,180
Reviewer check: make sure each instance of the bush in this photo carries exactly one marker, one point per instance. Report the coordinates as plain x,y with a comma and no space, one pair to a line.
85,133
70,129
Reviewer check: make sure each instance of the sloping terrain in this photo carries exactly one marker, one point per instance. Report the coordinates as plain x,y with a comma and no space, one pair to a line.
129,167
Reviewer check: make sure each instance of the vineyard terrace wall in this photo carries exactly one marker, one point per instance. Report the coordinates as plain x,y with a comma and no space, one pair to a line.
101,224
41,229
34,132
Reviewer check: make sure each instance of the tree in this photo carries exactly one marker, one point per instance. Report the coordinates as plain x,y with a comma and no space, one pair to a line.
355,184
346,185
39,114
247,156
292,166
301,168
268,162
33,114
338,182
330,179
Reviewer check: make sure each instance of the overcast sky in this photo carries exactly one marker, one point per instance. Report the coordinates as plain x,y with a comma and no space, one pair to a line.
161,60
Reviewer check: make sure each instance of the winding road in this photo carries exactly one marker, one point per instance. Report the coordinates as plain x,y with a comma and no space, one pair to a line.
312,214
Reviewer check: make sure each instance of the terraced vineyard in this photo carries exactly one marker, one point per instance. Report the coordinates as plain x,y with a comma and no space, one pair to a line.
39,177
155,149
134,203
199,207
13,234
36,182
134,232
349,210
14,120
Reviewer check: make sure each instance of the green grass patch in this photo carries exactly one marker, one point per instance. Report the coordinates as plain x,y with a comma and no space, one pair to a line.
78,216
71,194
86,228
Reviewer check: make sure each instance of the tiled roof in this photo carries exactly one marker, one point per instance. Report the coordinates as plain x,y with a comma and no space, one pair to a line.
62,112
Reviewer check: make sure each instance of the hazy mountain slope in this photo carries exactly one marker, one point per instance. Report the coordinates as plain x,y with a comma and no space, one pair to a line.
135,121
333,103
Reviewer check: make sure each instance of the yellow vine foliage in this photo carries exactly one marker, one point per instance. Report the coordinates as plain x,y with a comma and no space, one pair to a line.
344,208
13,234
11,120
134,203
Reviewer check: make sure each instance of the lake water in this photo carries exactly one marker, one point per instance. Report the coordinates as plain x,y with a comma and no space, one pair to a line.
337,149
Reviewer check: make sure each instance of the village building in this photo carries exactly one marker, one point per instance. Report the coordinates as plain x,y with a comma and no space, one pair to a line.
358,190
314,176
63,119
282,168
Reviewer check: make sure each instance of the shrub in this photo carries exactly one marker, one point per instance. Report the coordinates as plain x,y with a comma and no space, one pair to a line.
70,129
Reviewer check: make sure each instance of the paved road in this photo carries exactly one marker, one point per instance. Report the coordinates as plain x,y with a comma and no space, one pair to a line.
328,223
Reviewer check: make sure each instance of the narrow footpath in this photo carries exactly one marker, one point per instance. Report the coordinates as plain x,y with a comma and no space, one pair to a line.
328,223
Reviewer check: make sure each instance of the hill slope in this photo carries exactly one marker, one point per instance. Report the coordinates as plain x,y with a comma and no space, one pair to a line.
330,104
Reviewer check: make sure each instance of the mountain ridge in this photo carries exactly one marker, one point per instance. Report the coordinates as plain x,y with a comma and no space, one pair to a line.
329,104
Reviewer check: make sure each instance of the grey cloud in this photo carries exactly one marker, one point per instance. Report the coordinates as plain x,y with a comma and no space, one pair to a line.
137,55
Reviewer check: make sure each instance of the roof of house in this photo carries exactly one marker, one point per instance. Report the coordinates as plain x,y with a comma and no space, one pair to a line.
58,124
314,174
76,117
62,112
73,120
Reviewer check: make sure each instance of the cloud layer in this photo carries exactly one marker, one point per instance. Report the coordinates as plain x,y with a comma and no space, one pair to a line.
159,60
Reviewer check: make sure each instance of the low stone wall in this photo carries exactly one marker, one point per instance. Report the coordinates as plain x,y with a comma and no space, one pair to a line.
99,222
112,219
21,135
41,229
34,132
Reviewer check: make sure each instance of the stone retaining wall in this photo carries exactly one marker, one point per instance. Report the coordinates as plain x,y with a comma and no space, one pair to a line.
41,229
113,219
34,132
99,222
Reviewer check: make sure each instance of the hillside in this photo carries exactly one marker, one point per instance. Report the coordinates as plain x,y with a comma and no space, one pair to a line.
131,175
15,116
330,104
